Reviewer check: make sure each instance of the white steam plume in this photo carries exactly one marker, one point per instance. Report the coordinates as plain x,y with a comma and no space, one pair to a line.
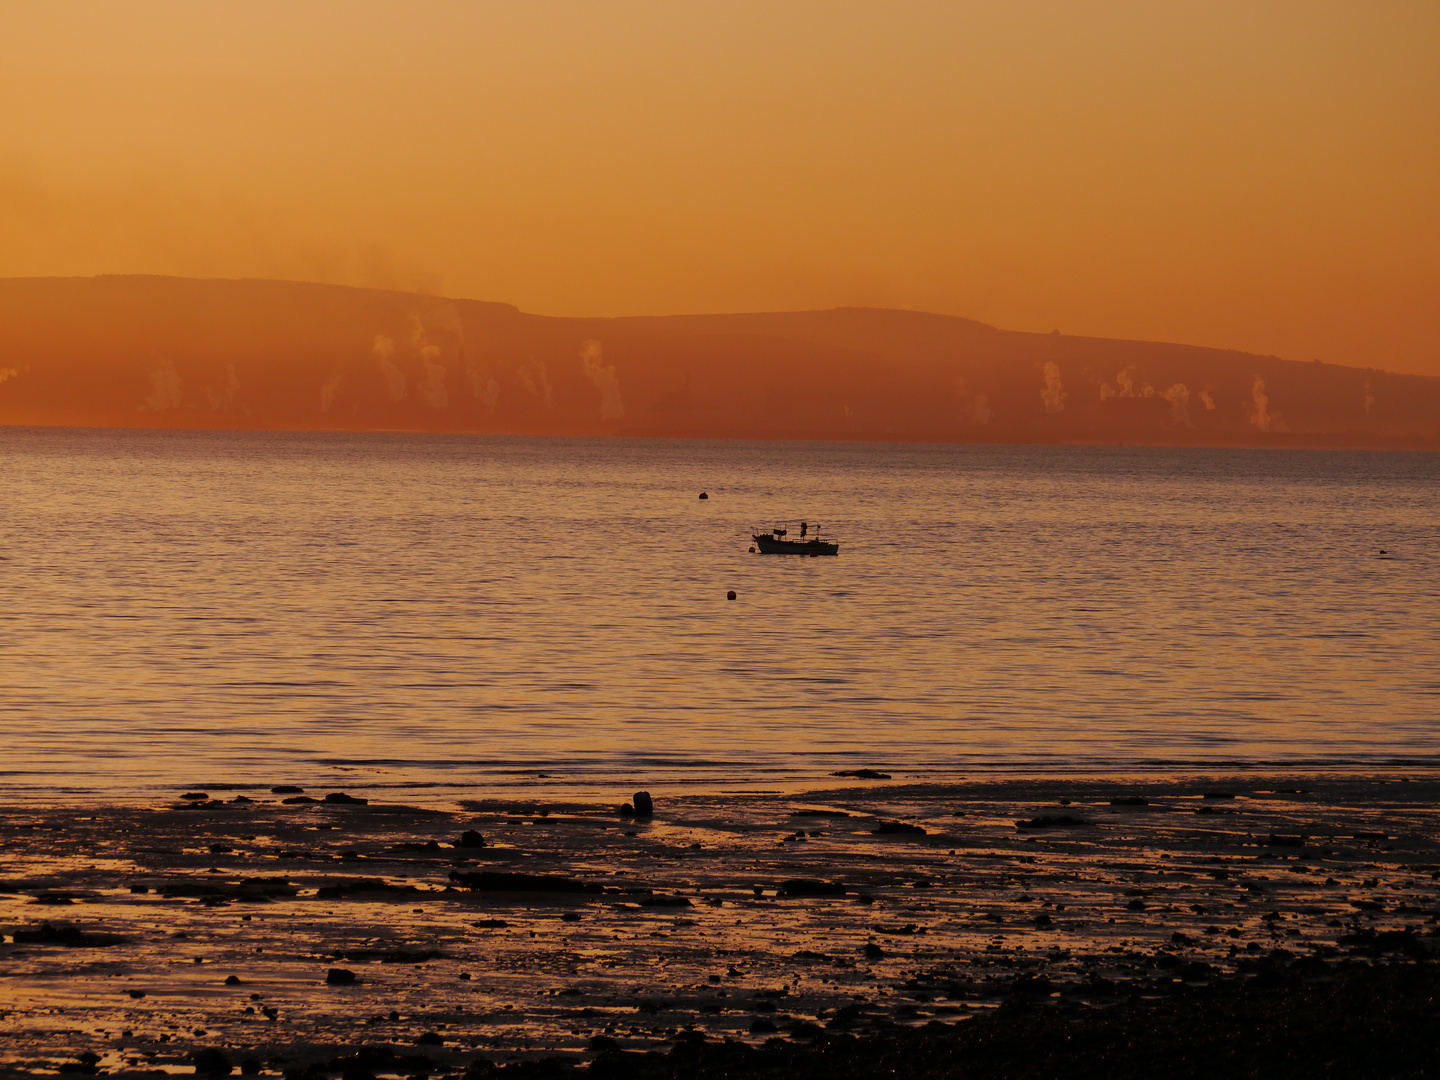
1126,379
486,389
1179,398
1260,414
603,376
164,388
384,349
527,372
1052,392
432,386
1206,398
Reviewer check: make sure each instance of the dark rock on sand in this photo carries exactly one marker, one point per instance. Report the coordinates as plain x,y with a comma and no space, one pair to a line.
68,936
339,977
1032,986
898,828
820,813
873,951
194,796
296,800
390,956
470,839
211,1062
496,881
644,805
1373,944
796,887
1052,821
761,1026
430,1038
1285,841
286,789
338,890
341,797
862,774
1363,1023
1130,800
245,889
250,1067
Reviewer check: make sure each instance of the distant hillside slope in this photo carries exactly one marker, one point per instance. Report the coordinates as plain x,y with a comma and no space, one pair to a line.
178,352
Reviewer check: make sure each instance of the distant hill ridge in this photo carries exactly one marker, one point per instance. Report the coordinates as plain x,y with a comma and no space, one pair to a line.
163,352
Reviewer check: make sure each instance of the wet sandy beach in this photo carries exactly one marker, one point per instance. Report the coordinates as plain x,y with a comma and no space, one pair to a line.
287,935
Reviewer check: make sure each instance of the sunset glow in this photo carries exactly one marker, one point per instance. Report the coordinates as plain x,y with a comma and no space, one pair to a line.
1251,176
421,426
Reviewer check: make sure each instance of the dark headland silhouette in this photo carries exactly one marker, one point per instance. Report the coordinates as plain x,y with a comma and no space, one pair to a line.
161,352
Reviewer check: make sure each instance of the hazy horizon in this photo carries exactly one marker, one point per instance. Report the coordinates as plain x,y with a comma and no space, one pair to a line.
1257,177
169,352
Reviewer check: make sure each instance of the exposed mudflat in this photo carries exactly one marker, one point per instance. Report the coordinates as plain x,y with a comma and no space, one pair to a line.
209,924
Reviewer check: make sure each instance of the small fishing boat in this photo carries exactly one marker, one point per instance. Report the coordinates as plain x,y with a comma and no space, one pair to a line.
775,543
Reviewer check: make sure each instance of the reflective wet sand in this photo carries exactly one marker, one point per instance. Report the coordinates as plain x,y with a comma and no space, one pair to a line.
230,914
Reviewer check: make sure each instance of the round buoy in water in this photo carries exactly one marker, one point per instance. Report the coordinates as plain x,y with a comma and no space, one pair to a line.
730,595
752,549
703,495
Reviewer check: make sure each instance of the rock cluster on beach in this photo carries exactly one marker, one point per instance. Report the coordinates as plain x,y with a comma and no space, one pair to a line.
291,934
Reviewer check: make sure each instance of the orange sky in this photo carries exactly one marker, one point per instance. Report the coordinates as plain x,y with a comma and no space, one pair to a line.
1253,175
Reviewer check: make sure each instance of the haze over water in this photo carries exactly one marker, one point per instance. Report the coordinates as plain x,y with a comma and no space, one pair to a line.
457,614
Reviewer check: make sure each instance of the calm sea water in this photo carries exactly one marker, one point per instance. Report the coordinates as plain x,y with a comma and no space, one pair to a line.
456,614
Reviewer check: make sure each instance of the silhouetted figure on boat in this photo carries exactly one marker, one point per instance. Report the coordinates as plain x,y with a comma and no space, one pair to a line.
774,542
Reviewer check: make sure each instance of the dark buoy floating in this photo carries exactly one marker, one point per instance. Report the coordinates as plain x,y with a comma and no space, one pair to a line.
703,495
730,595
1384,552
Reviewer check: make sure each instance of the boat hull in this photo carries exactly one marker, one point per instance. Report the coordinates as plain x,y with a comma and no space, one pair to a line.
768,545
